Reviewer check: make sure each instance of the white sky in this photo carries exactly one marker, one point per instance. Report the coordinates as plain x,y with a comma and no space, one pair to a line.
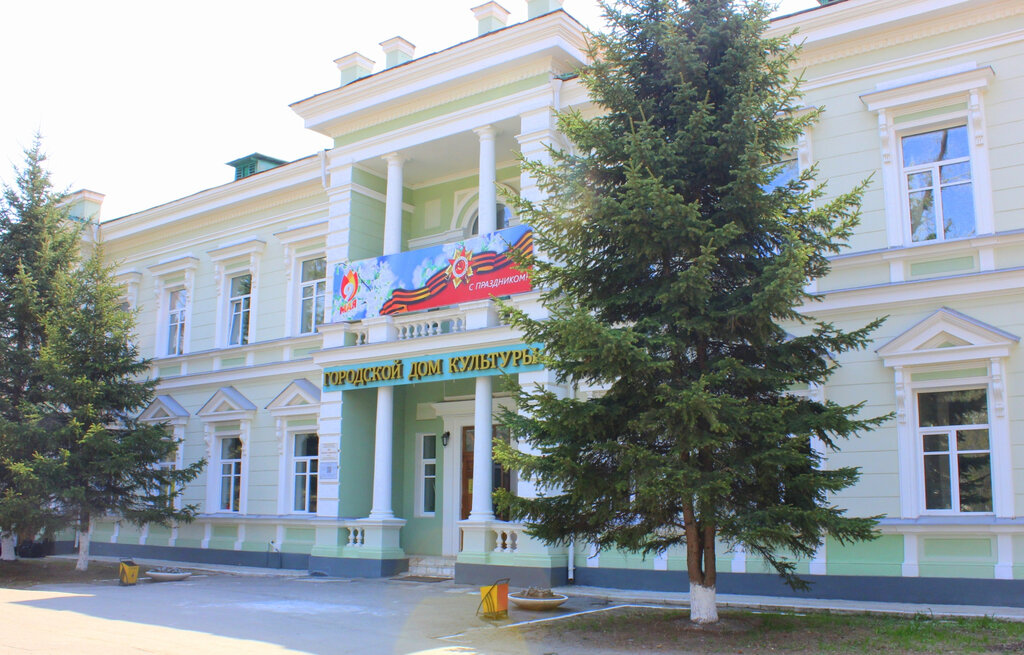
144,102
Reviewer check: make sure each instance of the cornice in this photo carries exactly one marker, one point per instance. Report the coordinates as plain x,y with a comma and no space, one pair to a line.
278,186
555,37
237,250
860,26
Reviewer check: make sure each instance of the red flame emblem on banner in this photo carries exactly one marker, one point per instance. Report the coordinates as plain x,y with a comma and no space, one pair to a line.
349,286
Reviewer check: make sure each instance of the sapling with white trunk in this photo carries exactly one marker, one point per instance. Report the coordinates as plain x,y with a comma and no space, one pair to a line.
678,248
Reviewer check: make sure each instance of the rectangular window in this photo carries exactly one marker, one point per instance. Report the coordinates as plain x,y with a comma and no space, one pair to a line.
428,474
313,292
177,302
789,170
230,474
937,177
954,435
238,303
306,461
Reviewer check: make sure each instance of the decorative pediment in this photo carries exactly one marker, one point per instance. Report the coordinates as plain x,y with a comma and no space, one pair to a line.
300,397
947,336
228,404
164,409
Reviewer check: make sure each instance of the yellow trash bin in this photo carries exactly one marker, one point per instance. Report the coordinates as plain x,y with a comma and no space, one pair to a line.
494,600
128,572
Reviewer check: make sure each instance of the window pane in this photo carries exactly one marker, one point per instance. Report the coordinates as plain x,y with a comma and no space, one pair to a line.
953,173
231,448
788,172
307,315
300,493
225,492
430,469
950,143
314,269
972,440
936,482
306,445
965,407
178,299
312,493
429,499
920,180
240,285
300,467
958,210
975,483
318,317
936,443
922,215
429,447
236,493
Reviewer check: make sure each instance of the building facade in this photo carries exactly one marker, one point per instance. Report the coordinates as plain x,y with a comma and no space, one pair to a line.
323,332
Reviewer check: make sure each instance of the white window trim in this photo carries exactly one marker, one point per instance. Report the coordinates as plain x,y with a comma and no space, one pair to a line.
242,411
288,457
312,239
177,419
129,282
284,408
946,87
295,290
419,491
954,481
908,354
245,313
231,261
214,440
162,272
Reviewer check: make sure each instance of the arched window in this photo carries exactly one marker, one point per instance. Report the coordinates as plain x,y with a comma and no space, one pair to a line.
502,213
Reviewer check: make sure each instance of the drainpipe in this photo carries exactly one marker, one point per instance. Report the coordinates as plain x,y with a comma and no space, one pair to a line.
572,560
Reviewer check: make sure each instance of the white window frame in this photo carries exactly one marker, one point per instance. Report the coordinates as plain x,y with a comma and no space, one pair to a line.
964,84
299,404
239,309
166,280
220,439
300,243
226,406
952,451
421,476
293,434
231,261
301,295
915,351
927,127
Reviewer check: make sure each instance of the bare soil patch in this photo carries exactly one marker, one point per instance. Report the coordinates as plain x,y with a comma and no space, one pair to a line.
28,572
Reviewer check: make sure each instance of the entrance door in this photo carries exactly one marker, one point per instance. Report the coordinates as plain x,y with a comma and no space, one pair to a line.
500,478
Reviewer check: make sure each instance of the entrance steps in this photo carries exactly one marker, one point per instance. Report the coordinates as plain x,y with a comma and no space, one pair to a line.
431,566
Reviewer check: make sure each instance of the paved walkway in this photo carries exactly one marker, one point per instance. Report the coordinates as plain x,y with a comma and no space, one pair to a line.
253,610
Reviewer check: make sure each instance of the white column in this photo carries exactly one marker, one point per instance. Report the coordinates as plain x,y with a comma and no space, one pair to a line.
393,205
488,191
382,460
482,456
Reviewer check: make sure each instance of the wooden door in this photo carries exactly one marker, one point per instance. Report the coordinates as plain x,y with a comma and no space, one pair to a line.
500,478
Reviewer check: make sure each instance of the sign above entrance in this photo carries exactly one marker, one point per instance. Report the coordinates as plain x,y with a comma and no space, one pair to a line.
473,269
434,368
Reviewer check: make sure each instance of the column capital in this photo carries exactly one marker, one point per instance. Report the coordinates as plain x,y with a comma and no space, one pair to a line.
395,158
485,132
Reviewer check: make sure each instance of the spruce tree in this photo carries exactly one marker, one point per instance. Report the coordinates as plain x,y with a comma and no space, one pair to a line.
675,271
36,243
109,462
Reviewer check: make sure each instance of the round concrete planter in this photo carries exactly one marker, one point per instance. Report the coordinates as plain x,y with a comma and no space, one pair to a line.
167,576
538,604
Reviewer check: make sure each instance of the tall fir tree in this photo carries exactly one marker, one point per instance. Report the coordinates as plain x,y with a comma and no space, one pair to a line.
109,463
36,243
673,267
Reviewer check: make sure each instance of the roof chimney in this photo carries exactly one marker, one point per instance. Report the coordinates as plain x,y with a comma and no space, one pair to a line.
490,16
353,66
397,51
536,8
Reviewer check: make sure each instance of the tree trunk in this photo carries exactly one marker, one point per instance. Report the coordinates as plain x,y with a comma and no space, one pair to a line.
700,565
703,605
7,545
84,535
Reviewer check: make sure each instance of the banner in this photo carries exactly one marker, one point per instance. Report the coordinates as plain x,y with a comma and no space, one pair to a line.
434,368
473,269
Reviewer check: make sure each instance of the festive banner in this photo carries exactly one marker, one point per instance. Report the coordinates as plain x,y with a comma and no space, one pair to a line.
473,269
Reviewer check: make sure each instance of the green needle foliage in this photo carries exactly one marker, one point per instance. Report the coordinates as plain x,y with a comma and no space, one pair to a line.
673,267
71,380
